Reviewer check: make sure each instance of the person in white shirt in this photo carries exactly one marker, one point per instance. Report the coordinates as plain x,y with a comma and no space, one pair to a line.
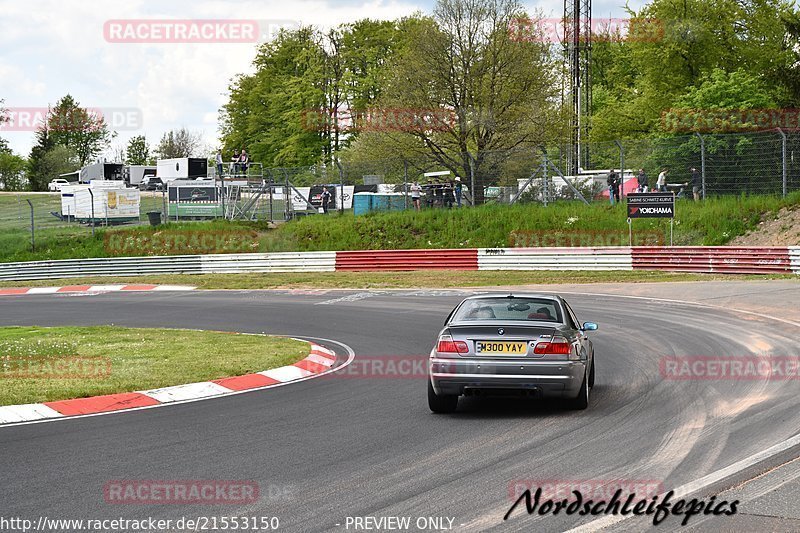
416,192
661,183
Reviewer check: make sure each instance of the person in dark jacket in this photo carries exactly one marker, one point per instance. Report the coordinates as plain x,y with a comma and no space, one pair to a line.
641,179
326,199
613,186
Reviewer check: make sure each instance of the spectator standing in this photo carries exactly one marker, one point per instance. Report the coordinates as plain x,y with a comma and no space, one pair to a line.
218,161
661,182
416,192
641,179
458,191
438,193
326,199
235,163
449,197
613,186
429,193
244,161
697,184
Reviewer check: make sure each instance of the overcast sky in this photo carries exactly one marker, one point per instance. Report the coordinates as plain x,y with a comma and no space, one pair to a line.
54,47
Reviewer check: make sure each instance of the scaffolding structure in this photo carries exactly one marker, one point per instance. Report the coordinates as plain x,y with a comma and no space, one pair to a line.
578,52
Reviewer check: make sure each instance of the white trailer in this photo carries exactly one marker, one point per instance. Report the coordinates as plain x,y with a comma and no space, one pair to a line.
111,201
101,171
135,173
182,168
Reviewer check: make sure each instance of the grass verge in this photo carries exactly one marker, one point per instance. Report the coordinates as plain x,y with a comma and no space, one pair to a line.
378,280
714,221
39,364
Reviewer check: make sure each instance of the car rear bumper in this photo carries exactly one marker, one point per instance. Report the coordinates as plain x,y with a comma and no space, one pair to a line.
546,379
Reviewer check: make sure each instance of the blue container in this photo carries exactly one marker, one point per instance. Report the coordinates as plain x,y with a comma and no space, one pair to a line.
380,202
362,203
398,202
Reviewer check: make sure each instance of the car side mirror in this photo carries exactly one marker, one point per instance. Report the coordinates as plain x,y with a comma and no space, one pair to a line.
589,326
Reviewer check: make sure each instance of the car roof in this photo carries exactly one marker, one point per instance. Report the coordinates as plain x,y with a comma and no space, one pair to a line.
511,296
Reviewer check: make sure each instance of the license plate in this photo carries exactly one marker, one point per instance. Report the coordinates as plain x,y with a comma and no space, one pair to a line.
501,347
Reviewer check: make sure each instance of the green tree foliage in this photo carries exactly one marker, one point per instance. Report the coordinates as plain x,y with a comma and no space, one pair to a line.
309,90
674,45
83,131
487,92
274,113
179,143
138,151
12,171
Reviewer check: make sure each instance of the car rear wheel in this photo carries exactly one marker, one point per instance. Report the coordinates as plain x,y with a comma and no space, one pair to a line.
581,401
441,403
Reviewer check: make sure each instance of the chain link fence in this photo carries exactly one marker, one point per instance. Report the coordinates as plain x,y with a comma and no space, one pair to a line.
766,162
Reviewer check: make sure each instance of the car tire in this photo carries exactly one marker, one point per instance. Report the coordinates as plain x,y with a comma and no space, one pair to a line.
591,376
441,403
581,401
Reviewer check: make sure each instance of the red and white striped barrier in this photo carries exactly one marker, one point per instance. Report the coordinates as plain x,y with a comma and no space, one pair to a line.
714,259
394,260
318,361
704,259
91,289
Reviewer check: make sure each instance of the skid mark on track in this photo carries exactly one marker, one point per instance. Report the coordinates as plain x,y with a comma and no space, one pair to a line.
352,298
679,443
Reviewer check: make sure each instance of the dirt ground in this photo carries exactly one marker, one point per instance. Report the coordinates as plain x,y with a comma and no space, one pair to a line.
781,231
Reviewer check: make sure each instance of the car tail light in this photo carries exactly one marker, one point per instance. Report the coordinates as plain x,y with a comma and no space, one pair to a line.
448,345
555,346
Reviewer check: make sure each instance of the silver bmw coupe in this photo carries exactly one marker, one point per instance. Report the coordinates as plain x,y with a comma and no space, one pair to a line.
515,344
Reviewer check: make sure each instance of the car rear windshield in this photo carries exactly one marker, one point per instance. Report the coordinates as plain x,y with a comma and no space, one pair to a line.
533,309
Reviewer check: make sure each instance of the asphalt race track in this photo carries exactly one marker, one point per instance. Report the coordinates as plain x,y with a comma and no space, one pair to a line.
325,449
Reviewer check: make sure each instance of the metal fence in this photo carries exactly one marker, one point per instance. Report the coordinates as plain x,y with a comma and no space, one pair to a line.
765,162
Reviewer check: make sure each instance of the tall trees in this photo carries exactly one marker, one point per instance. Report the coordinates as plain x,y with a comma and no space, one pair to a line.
498,91
268,111
298,107
81,130
70,137
137,151
640,77
179,143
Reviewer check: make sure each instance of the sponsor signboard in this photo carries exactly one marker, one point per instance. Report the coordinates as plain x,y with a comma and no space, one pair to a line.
651,205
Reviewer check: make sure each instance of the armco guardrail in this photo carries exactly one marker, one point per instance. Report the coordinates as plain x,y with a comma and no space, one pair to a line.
179,264
277,262
713,259
393,260
730,260
118,266
554,259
